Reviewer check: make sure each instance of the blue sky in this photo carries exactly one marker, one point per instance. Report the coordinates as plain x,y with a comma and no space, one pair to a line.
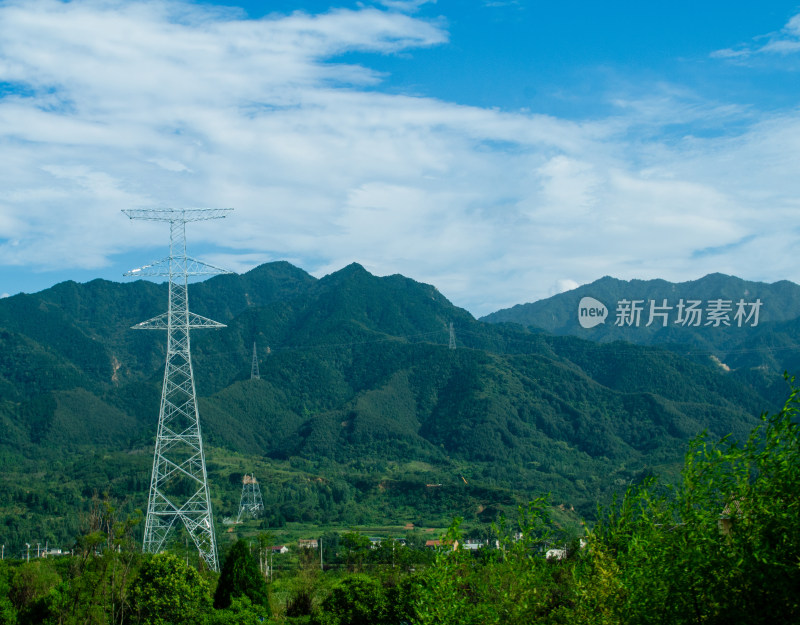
501,150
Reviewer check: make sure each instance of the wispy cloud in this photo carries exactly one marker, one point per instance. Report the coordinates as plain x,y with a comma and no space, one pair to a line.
116,105
409,6
783,42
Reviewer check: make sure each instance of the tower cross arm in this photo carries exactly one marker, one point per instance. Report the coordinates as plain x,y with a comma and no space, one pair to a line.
177,214
161,322
196,267
189,267
156,268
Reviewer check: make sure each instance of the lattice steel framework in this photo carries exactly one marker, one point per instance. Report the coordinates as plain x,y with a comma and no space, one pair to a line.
254,374
178,485
250,502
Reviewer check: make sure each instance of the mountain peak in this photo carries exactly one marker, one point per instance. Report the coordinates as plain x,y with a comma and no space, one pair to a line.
354,273
353,268
278,268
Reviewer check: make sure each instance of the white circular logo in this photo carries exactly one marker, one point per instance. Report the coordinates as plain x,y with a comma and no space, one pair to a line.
591,312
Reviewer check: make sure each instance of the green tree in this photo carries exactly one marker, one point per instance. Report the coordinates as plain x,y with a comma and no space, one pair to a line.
443,597
722,547
513,586
8,614
167,591
265,542
240,577
241,612
358,600
330,547
30,590
356,547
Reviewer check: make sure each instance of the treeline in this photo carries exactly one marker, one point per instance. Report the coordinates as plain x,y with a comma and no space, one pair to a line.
722,546
48,499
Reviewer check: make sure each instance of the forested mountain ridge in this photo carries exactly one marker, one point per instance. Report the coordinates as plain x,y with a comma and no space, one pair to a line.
768,338
359,388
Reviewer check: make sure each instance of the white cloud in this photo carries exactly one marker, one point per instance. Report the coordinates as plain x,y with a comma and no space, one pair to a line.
169,164
405,5
151,104
563,285
785,41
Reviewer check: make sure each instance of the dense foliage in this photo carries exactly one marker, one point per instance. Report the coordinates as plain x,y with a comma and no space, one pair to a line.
240,577
721,546
167,592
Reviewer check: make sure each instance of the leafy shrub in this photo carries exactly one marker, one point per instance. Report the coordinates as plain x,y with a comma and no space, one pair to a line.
167,591
240,577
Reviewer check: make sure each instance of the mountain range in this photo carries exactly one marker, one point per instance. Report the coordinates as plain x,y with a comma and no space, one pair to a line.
765,338
361,412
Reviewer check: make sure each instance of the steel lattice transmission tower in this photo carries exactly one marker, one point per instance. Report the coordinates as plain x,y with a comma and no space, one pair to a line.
178,485
254,375
452,343
250,502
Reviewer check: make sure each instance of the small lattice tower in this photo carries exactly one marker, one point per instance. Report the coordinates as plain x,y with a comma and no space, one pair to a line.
452,343
178,485
254,375
251,502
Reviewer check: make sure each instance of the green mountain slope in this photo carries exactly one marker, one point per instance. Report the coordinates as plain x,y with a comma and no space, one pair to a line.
361,410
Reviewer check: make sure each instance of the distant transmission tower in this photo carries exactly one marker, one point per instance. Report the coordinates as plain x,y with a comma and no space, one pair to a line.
254,375
452,344
178,485
251,502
